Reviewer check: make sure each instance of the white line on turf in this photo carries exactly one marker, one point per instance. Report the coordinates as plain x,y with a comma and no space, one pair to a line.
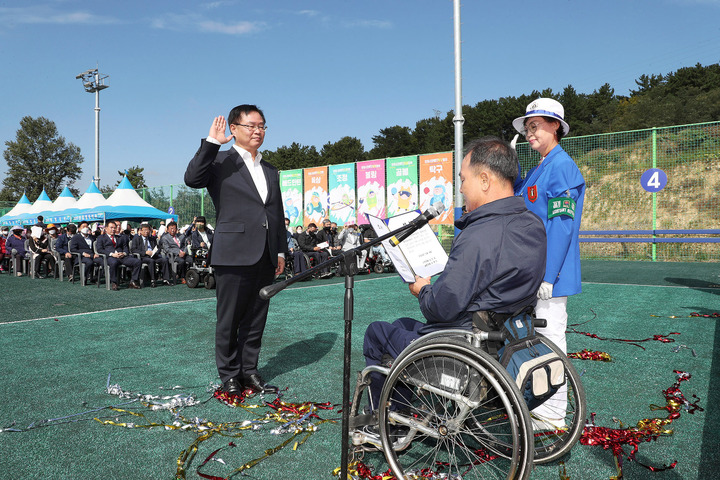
55,317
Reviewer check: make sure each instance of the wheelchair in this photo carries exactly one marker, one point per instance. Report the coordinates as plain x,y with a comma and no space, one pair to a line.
200,269
447,396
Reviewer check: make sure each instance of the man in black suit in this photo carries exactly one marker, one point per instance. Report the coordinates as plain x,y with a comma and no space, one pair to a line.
144,245
83,244
118,252
249,245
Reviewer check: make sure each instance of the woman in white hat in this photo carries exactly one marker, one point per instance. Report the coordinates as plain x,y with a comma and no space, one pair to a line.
554,190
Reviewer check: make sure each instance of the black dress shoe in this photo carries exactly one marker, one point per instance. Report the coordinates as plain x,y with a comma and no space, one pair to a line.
153,284
134,285
113,286
256,383
167,282
233,386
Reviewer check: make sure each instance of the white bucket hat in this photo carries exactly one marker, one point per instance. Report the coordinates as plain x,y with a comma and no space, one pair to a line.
542,107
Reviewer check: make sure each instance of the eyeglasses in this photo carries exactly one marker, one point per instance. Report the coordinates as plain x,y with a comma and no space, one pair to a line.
252,128
532,128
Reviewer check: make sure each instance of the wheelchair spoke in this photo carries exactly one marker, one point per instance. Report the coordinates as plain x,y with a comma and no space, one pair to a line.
458,416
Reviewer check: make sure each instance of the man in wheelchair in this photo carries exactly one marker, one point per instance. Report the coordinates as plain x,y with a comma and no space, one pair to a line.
496,263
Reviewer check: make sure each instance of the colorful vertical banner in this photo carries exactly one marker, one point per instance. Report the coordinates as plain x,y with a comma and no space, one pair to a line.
316,195
341,179
402,185
436,185
291,189
371,189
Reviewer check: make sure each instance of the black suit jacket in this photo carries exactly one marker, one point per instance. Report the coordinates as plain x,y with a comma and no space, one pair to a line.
137,245
245,224
78,244
106,247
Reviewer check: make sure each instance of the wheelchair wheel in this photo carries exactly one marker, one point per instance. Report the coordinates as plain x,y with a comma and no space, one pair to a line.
209,281
192,278
460,410
551,442
378,268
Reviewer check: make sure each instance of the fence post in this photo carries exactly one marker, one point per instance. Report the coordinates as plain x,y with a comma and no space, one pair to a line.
654,194
202,202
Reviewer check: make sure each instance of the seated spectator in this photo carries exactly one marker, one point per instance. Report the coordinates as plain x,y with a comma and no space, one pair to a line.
369,234
350,238
52,232
329,236
146,246
125,230
174,244
40,249
61,247
16,242
298,232
3,236
118,252
308,242
82,243
201,236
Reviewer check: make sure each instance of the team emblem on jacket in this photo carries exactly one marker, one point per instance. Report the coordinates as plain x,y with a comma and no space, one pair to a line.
532,193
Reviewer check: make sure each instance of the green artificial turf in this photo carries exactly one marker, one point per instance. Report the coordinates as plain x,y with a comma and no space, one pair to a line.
56,361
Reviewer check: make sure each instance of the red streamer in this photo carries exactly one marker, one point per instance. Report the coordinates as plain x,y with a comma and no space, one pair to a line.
646,430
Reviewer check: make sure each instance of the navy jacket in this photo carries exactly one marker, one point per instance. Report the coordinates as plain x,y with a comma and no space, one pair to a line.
496,263
78,244
106,247
61,244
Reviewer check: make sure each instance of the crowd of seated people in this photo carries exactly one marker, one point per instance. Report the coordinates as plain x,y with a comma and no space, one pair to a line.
168,251
46,248
318,245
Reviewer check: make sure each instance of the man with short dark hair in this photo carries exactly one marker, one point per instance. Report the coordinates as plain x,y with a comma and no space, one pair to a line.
118,252
308,242
61,247
175,244
249,244
496,262
82,243
144,245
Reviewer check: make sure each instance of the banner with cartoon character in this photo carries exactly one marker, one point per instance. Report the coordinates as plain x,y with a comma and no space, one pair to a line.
436,185
402,185
316,195
291,189
342,193
371,189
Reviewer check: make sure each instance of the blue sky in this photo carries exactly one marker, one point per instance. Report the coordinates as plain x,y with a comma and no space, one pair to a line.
320,70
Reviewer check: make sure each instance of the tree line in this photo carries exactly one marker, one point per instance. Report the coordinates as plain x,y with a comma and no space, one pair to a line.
39,157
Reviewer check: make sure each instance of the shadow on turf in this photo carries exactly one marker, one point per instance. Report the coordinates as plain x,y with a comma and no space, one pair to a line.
300,354
704,285
709,459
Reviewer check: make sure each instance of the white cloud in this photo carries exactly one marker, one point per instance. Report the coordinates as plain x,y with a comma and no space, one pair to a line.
46,15
198,23
368,24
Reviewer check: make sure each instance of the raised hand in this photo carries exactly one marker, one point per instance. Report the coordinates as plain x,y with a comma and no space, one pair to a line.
217,130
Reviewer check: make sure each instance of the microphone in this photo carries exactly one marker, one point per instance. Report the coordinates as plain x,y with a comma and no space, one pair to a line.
420,221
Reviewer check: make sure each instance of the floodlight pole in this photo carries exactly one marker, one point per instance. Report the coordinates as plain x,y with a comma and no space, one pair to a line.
93,82
458,119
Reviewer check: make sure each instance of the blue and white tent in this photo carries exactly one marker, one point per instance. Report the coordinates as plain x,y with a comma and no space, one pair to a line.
123,204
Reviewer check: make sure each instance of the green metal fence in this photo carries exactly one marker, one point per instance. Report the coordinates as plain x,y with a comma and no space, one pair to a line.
615,200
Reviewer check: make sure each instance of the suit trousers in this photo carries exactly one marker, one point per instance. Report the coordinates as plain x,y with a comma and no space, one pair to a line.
241,316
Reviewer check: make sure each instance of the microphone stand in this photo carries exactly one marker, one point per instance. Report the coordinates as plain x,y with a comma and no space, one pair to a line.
348,263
